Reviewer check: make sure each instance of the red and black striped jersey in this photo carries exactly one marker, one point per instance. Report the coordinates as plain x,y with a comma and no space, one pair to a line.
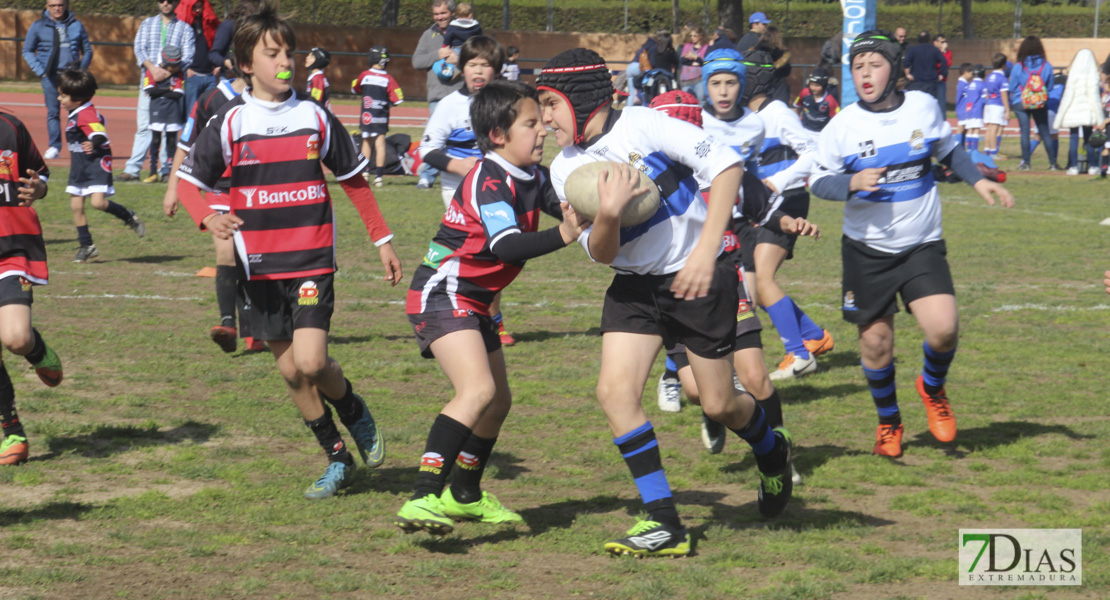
318,89
22,251
379,91
85,125
204,109
460,270
275,151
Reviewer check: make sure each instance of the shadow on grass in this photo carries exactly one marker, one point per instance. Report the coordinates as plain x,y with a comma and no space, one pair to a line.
539,336
107,440
59,241
999,433
42,512
400,480
807,459
803,393
153,259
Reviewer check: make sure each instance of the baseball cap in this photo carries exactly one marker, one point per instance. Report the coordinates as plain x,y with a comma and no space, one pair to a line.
758,18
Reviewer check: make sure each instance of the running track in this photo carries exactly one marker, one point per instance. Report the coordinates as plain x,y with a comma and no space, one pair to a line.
120,114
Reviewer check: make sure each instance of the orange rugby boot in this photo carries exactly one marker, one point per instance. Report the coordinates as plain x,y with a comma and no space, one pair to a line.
821,346
14,450
507,338
888,441
942,422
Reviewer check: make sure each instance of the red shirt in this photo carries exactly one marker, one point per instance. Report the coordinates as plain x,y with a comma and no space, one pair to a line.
22,251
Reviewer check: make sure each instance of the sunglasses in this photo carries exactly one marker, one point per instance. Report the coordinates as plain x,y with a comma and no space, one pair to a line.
167,1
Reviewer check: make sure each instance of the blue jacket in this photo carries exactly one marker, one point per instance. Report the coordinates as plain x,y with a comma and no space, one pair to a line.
1020,74
38,48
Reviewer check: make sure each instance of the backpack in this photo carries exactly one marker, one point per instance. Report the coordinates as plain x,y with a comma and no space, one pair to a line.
1033,94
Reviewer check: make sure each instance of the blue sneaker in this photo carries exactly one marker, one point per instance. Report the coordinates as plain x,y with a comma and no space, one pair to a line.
334,477
368,438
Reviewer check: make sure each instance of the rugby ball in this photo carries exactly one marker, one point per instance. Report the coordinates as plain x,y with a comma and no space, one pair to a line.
581,192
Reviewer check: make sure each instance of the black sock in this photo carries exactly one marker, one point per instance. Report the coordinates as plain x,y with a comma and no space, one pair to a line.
119,212
378,171
347,407
640,450
8,417
466,484
226,282
770,454
155,149
446,438
38,349
772,407
83,236
330,440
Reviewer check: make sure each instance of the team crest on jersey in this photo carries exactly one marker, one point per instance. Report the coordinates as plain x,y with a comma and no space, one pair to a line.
308,294
247,156
367,118
636,161
917,140
313,147
744,311
849,301
106,163
24,284
7,161
435,255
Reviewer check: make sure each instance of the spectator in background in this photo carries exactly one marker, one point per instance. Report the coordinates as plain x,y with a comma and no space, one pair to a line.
723,38
900,36
221,42
831,54
1031,63
155,33
692,54
643,61
55,42
510,70
425,55
203,74
941,42
759,23
771,42
924,65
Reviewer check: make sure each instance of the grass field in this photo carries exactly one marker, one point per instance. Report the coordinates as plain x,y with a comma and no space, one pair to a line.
163,468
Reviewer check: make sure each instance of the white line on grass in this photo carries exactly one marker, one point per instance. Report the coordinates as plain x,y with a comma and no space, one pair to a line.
120,297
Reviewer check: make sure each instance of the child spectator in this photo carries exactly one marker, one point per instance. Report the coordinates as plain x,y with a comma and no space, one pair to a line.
815,104
462,28
996,108
316,61
974,97
90,160
23,177
961,102
379,92
485,237
510,70
281,216
167,108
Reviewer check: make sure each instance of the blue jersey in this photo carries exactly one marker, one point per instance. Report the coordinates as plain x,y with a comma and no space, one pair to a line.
961,99
996,84
974,97
1054,96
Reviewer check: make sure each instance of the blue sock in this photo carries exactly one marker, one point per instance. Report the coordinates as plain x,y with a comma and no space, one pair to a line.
960,138
670,368
640,450
758,434
497,318
998,142
810,330
935,369
884,393
1033,147
782,315
973,143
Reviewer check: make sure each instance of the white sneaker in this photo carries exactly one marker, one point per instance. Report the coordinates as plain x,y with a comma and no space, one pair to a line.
712,435
792,366
423,184
51,152
1073,171
377,182
669,393
1093,171
795,476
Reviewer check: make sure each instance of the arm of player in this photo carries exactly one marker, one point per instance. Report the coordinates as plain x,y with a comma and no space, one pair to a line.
694,279
615,188
518,247
358,190
169,201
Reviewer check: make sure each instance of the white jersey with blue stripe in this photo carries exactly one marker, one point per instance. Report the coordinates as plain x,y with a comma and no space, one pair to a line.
449,130
905,211
675,155
785,142
744,135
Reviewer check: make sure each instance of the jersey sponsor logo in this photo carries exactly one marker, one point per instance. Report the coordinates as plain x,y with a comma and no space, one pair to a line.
431,462
367,102
867,149
106,163
367,118
460,313
313,145
702,148
899,175
436,254
308,294
276,130
311,192
249,193
468,461
490,184
849,301
247,156
254,259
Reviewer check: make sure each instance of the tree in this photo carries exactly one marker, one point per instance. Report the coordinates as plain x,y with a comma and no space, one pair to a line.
731,13
965,16
390,9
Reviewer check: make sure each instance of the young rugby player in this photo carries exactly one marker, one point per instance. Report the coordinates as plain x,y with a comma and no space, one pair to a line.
996,108
280,216
229,277
785,162
23,176
316,61
449,144
669,287
166,108
815,105
488,232
379,91
974,99
876,156
90,160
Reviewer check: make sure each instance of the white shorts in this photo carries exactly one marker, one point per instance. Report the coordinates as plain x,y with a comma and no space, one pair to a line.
994,114
961,123
1052,119
973,123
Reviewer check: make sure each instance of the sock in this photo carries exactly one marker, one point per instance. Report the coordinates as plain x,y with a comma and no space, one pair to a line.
155,148
171,146
640,450
330,440
772,408
997,143
810,330
8,417
347,407
960,138
782,315
935,369
83,236
497,318
769,453
378,171
973,143
1033,148
38,349
446,438
670,369
883,392
469,467
118,211
226,283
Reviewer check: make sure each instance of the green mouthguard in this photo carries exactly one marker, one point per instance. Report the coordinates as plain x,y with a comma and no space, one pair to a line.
285,75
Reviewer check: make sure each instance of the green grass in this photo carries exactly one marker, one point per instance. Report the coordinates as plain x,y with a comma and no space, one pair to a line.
163,468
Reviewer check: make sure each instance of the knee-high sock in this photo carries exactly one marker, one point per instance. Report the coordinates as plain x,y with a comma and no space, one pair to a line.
9,418
118,211
466,482
782,315
758,434
445,439
327,435
935,369
640,450
884,393
772,408
226,283
810,330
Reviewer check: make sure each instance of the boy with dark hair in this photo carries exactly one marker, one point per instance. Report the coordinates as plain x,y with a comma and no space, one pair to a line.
379,91
669,288
814,104
166,109
462,28
996,107
316,61
510,70
90,160
487,234
23,177
280,216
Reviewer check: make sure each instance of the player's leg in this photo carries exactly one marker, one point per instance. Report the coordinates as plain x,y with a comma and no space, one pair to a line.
783,312
101,202
379,158
227,283
84,236
171,145
939,321
876,342
17,335
155,149
507,338
367,151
